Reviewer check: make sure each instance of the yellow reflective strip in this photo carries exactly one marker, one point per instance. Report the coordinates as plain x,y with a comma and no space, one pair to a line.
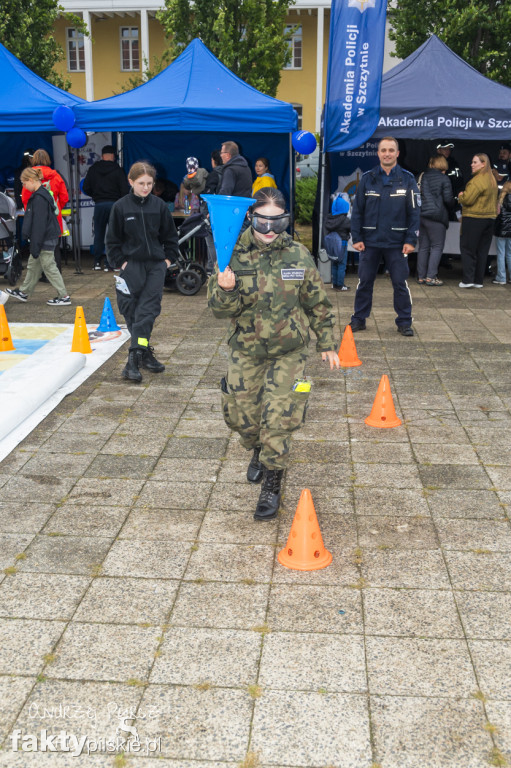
142,342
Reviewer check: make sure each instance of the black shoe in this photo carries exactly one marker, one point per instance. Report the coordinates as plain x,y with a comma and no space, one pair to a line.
131,371
17,294
405,330
269,498
358,325
150,362
255,468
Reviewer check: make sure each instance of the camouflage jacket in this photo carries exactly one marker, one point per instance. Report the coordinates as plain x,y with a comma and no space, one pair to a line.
278,295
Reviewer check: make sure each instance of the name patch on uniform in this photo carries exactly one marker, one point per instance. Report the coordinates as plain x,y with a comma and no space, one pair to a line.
292,274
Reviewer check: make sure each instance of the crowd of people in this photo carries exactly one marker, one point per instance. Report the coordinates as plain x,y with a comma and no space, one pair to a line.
272,291
394,214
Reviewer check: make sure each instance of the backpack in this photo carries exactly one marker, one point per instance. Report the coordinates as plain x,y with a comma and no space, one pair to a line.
336,248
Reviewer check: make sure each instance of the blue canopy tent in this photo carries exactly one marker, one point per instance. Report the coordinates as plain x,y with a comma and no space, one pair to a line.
433,94
201,103
28,103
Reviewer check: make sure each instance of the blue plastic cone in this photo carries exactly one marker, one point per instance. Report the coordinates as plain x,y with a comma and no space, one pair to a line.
108,322
227,214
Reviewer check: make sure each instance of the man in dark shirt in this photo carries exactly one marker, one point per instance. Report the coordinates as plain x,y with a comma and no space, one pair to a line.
106,183
236,175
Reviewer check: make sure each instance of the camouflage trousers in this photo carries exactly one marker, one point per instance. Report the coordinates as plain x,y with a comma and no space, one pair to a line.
260,404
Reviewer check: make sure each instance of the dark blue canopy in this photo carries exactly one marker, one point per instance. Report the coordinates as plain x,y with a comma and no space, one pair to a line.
434,93
28,101
194,93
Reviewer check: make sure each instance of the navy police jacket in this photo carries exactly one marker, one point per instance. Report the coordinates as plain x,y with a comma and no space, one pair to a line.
386,210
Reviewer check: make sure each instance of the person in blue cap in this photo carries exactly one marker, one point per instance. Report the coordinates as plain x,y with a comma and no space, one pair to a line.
337,228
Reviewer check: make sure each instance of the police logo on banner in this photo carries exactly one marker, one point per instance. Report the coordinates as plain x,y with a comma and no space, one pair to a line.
361,4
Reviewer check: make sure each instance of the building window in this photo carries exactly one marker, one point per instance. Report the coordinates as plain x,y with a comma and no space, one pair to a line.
295,45
75,51
299,111
130,56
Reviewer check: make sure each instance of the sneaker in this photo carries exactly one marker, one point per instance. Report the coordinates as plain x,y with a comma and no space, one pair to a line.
97,267
466,285
57,301
105,269
498,282
358,325
341,287
17,294
405,330
3,297
478,285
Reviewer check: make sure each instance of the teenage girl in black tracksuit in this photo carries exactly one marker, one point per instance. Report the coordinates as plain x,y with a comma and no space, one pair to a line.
142,240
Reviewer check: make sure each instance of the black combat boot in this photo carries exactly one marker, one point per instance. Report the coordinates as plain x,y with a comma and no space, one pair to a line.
269,498
150,362
255,468
131,371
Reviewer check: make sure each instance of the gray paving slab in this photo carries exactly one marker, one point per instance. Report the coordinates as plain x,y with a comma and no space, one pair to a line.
406,727
135,583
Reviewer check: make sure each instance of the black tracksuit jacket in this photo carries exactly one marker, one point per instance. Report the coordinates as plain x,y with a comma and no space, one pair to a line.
40,223
140,229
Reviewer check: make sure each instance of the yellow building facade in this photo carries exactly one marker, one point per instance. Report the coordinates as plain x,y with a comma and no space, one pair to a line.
125,35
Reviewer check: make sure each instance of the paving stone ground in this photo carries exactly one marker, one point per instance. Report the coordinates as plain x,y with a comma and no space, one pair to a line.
135,582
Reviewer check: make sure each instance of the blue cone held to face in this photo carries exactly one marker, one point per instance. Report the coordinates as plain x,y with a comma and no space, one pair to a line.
108,322
227,214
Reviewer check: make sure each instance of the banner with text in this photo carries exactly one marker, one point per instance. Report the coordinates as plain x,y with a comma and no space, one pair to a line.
355,59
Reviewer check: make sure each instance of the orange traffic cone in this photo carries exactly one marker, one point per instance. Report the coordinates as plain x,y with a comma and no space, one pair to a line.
383,413
348,357
6,344
81,341
305,550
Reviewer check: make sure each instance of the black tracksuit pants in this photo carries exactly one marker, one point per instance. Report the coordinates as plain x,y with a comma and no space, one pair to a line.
141,306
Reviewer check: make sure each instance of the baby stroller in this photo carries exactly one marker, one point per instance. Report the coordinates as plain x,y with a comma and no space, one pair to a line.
10,258
184,274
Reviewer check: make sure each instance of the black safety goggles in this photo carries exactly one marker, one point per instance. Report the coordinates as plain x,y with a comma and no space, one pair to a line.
266,224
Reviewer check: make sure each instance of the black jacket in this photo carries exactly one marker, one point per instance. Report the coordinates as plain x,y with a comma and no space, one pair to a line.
236,178
214,180
436,195
140,229
40,223
105,181
503,220
339,224
386,210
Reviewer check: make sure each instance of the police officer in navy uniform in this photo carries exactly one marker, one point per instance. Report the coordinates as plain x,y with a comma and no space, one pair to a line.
385,223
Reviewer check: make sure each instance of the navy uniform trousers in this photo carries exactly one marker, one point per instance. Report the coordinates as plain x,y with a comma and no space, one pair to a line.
397,264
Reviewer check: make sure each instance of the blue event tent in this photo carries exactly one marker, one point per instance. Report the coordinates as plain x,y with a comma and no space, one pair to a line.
28,103
434,92
202,103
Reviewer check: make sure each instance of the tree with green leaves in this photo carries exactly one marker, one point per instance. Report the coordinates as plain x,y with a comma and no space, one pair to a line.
248,36
477,30
27,29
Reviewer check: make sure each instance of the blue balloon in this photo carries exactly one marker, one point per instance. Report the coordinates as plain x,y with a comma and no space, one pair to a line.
76,138
304,142
64,118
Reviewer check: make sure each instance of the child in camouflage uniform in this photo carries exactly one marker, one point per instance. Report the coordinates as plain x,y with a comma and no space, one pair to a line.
272,292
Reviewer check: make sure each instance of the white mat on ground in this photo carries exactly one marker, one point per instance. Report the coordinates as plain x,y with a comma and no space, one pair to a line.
30,390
